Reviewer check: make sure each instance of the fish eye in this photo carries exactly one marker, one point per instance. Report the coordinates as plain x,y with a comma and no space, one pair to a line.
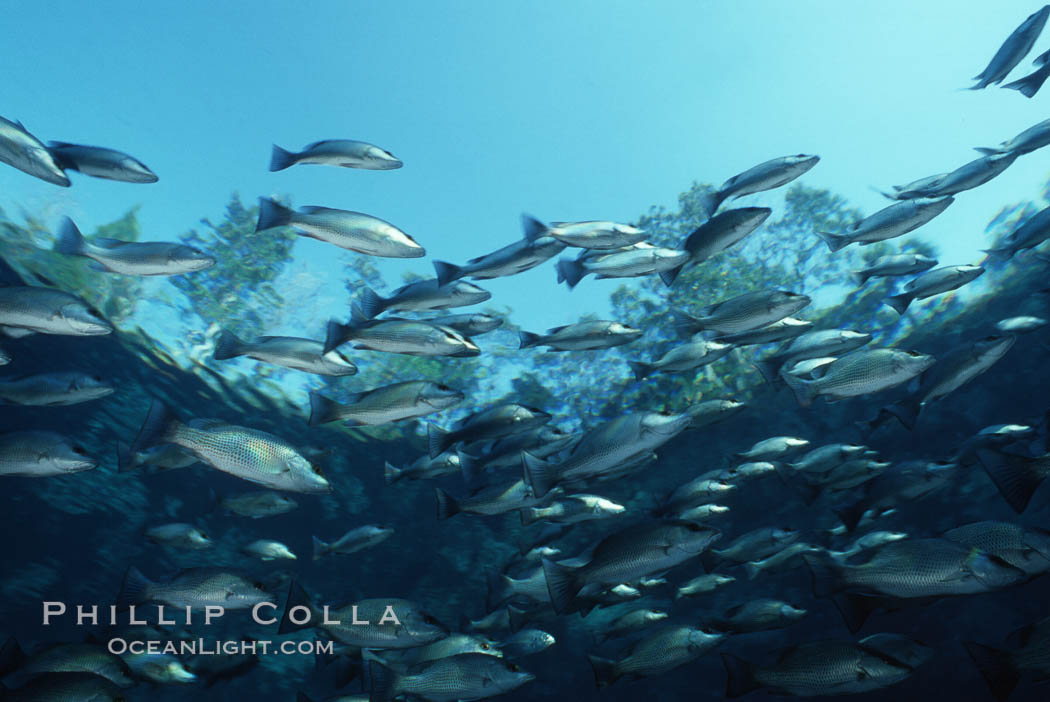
79,450
515,668
485,647
914,354
96,378
443,387
317,470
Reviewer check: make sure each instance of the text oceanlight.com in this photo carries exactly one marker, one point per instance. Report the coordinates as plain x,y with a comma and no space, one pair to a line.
201,647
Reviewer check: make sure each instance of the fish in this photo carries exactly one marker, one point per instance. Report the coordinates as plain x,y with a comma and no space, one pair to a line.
773,447
526,642
194,587
1017,476
505,452
894,265
995,436
742,313
1020,325
783,330
48,311
814,344
935,282
180,535
498,499
703,584
630,263
468,325
259,504
626,555
425,467
760,614
631,621
353,231
699,490
491,423
390,403
868,541
87,658
596,234
1030,84
100,162
138,258
165,457
788,555
344,153
765,176
1027,650
605,448
828,668
353,541
756,544
1034,231
268,550
38,454
292,352
53,389
249,454
665,649
951,371
423,295
528,252
402,660
1027,548
708,412
5,356
395,335
825,458
1035,137
923,187
718,233
582,336
861,373
897,484
1013,50
28,154
158,668
573,509
393,623
975,173
688,356
702,513
898,219
465,676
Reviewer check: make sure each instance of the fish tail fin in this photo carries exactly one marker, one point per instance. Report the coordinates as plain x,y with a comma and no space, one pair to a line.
532,227
996,667
835,242
851,515
228,345
447,272
297,597
281,159
437,440
391,473
336,334
825,572
540,475
11,656
469,467
446,504
770,370
527,339
605,671
570,272
804,390
854,609
1014,475
272,214
641,369
900,303
685,324
133,589
529,515
372,303
740,676
860,277
907,411
1027,86
70,241
669,276
383,685
322,409
752,569
998,255
499,589
988,151
158,428
711,201
320,548
516,618
561,584
125,457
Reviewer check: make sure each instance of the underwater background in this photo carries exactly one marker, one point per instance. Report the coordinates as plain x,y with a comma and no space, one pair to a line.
72,538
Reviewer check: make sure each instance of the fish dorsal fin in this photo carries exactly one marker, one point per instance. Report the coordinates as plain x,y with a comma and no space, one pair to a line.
477,259
206,424
108,243
58,144
555,330
314,209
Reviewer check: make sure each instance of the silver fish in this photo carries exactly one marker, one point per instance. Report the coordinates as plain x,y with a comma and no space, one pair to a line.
1020,325
196,587
783,330
1030,84
743,312
336,152
292,352
596,234
694,354
159,668
709,412
53,389
498,499
394,335
353,541
526,643
353,231
423,295
758,615
894,265
467,324
180,535
390,403
1027,650
530,251
573,509
79,658
100,162
28,154
1034,231
814,344
860,373
773,447
629,622
765,176
1013,50
582,336
262,503
466,676
779,560
1027,548
923,187
757,544
491,423
888,223
717,234
139,258
424,467
1035,137
249,454
664,649
49,311
632,263
41,454
268,550
935,282
827,457
703,584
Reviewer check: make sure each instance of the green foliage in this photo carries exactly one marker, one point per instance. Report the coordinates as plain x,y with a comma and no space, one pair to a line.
237,292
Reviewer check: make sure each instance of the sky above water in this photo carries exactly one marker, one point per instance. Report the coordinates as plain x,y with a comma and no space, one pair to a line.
567,110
